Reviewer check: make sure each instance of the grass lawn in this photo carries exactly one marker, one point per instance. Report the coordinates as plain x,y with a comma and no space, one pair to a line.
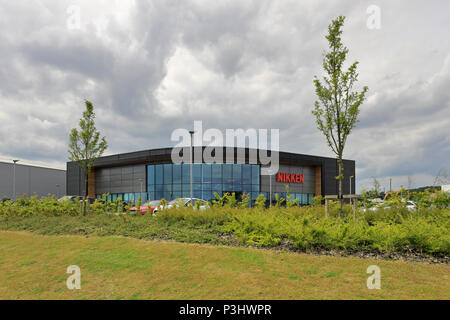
34,267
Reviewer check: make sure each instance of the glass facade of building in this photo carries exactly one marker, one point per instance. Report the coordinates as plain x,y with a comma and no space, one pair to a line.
171,181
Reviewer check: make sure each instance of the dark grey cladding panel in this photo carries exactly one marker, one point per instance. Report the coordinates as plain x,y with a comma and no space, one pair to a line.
103,172
307,187
118,190
127,183
139,169
115,171
127,170
121,179
116,183
159,152
73,179
330,185
164,155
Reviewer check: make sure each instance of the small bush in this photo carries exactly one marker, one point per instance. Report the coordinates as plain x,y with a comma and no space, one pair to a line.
426,230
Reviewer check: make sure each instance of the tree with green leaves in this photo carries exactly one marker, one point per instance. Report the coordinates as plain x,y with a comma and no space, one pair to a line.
337,107
85,146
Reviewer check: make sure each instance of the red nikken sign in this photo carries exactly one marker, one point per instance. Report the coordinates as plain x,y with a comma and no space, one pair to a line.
290,177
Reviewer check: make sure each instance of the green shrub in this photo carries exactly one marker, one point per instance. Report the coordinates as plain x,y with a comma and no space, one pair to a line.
260,201
426,230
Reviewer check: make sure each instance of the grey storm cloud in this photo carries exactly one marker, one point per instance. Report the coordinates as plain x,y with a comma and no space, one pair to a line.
151,67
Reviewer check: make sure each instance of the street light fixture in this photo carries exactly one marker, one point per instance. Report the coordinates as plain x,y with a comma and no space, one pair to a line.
14,179
351,177
270,188
141,181
191,132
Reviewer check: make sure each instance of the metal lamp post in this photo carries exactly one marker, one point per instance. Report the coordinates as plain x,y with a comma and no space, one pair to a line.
351,200
14,179
351,177
191,156
141,181
270,188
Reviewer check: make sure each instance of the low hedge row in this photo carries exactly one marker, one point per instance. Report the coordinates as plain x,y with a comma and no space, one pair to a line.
425,231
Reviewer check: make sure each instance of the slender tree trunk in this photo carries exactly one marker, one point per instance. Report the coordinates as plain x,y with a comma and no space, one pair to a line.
85,193
341,171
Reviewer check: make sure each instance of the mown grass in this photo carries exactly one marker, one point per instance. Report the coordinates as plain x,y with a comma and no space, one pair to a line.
34,267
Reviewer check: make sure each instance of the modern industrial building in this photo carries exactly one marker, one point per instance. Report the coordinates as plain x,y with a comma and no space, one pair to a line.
152,175
30,180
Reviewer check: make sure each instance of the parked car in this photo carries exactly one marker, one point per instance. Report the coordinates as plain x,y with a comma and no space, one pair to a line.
153,204
67,198
185,202
410,205
73,198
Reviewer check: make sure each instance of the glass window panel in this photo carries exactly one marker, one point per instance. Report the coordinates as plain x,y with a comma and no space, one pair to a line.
131,197
150,175
186,173
167,195
246,174
197,173
216,173
197,187
237,173
227,187
151,188
255,187
185,194
167,174
304,198
216,187
197,194
206,173
176,171
206,195
159,173
167,187
114,197
247,188
176,194
159,187
255,174
237,187
158,195
151,195
176,187
227,173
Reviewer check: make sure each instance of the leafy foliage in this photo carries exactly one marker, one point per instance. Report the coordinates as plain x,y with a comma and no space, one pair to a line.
425,231
85,145
337,107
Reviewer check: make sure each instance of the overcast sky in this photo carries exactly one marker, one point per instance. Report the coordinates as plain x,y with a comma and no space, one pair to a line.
151,67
